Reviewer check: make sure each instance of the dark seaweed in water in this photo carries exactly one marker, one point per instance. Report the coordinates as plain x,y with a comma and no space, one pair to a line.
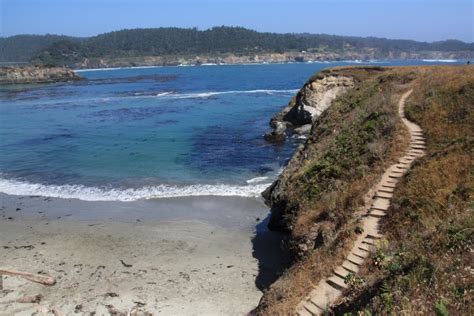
141,78
133,114
218,147
39,141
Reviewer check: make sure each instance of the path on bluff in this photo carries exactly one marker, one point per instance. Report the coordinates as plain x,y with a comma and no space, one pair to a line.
330,289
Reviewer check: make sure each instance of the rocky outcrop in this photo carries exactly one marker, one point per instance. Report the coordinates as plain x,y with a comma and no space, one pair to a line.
15,75
277,135
315,97
257,58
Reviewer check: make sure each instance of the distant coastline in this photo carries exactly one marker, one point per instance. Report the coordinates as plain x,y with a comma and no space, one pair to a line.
349,61
260,59
217,45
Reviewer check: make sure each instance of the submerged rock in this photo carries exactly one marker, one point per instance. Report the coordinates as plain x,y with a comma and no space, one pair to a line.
277,135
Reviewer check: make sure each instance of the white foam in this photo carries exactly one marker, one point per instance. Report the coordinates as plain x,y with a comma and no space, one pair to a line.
115,68
440,60
162,94
257,180
213,93
81,192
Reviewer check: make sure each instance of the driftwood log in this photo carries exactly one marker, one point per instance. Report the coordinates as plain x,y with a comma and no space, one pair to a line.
38,278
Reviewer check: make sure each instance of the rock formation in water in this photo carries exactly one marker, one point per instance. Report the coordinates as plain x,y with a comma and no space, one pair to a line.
16,75
315,97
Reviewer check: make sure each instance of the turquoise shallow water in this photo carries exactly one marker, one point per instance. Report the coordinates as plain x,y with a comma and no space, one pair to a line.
128,134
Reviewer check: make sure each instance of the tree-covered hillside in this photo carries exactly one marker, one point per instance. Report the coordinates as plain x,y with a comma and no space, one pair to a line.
53,49
21,48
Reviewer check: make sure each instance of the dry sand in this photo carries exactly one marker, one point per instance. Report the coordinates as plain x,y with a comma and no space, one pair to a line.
148,261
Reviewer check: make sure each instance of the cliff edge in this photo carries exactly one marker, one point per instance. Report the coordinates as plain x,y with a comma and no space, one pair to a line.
320,198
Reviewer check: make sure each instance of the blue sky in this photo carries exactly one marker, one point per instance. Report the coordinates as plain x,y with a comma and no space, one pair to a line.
409,19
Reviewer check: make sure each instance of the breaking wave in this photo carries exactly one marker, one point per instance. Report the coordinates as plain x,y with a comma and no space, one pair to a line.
203,95
440,60
172,95
81,192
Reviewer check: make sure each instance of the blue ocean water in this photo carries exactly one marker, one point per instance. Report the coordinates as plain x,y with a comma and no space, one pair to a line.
127,134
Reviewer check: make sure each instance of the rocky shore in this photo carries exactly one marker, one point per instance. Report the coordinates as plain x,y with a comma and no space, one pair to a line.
259,58
30,74
308,104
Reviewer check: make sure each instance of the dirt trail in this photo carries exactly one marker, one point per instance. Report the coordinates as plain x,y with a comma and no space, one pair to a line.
330,289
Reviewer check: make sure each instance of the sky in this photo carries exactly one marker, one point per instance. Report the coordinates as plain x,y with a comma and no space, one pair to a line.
423,20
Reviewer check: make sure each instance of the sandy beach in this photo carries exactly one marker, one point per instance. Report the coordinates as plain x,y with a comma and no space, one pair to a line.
183,256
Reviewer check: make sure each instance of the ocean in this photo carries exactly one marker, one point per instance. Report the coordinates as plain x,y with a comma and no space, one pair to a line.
152,132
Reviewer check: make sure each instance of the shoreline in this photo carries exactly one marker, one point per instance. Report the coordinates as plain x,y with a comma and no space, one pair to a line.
223,211
358,61
196,255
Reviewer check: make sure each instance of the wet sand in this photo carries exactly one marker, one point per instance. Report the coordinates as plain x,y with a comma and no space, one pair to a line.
180,256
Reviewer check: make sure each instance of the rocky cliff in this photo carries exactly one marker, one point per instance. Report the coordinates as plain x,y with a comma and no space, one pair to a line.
318,197
260,58
315,97
321,197
15,75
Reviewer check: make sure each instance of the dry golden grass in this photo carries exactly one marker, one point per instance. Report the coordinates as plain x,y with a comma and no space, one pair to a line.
354,141
422,266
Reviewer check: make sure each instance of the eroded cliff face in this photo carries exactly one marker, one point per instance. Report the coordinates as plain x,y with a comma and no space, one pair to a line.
324,192
303,115
315,97
14,75
301,112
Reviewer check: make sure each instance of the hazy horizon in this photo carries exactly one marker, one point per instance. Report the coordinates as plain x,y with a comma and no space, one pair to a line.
419,20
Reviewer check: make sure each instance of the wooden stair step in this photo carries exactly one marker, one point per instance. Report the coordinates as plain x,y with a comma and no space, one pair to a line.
402,166
381,204
389,185
305,310
377,213
395,175
350,266
312,308
369,242
340,271
360,253
396,170
355,260
323,295
383,194
375,236
366,247
302,311
337,282
386,190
